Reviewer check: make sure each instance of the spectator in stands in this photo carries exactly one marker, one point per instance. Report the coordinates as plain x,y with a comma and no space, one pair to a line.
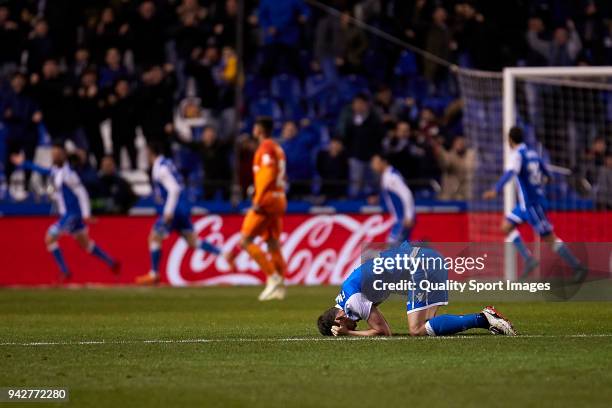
188,35
421,150
333,169
214,158
155,103
190,120
299,148
476,38
10,41
112,70
246,146
122,112
353,45
562,50
200,67
225,23
226,75
56,96
593,159
21,116
39,46
603,185
396,146
82,61
89,177
457,164
328,47
386,107
107,33
593,31
90,109
362,138
115,193
192,7
280,23
146,32
428,123
439,41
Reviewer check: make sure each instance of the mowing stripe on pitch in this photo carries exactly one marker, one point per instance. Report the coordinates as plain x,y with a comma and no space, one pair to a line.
285,340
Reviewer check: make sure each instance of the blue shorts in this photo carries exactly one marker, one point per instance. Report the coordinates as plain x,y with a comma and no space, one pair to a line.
67,224
534,215
181,223
399,233
420,298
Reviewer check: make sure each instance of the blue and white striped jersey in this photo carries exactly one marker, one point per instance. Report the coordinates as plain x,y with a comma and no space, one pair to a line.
398,197
169,188
68,191
70,194
530,171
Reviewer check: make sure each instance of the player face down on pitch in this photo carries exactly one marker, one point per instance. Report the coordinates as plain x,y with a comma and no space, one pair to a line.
367,287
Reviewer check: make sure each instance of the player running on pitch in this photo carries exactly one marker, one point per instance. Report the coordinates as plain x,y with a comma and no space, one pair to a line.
530,174
73,205
175,212
361,294
398,199
264,218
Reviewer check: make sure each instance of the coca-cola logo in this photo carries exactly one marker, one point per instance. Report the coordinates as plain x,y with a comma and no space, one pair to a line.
320,249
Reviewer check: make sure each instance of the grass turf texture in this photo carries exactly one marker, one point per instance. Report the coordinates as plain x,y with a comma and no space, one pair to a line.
549,366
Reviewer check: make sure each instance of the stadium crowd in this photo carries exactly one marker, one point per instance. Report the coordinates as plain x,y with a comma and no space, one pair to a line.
100,73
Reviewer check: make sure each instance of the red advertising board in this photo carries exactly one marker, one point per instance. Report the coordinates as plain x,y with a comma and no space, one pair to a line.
320,249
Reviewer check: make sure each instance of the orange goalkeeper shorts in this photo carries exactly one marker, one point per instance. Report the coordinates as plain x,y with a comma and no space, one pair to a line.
266,226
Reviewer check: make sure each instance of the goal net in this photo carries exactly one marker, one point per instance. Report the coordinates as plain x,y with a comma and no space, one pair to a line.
566,114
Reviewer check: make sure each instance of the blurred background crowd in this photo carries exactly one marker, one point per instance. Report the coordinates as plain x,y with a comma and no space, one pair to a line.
109,75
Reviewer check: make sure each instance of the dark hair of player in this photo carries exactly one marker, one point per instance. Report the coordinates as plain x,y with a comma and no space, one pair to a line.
266,123
516,135
383,156
326,321
58,143
157,148
362,96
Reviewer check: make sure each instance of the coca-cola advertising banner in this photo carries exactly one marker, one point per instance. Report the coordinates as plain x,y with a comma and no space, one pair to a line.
320,249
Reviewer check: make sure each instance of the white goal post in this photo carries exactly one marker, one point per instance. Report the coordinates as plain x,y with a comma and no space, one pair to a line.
590,78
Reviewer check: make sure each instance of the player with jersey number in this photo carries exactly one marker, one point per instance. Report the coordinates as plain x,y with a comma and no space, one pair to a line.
175,211
264,218
530,173
398,199
73,205
363,291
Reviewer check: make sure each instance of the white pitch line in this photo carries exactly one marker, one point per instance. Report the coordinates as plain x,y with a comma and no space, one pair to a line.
284,340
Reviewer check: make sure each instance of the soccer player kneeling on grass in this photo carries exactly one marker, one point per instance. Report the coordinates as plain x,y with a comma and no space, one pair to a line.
360,296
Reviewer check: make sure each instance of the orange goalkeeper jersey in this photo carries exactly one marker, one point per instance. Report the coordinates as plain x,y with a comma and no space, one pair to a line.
269,176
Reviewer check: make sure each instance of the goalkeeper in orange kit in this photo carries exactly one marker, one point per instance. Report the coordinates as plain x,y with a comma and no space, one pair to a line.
264,218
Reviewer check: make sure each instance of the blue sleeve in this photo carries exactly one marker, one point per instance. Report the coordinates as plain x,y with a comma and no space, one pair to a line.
28,165
544,170
503,180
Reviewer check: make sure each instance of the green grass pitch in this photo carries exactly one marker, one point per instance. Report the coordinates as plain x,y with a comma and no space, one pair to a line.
159,347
